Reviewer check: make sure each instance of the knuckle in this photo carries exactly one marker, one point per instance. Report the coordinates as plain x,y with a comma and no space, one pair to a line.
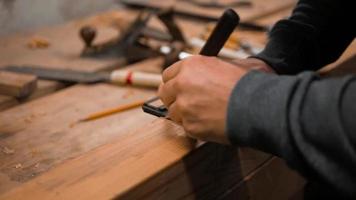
179,83
160,90
182,105
190,129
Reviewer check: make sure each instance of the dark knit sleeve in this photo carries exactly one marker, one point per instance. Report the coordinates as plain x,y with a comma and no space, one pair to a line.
316,34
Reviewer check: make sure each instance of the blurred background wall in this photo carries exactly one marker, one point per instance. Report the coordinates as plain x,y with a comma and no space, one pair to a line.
21,15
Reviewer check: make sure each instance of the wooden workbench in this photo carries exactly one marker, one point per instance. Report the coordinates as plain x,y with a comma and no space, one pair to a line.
46,154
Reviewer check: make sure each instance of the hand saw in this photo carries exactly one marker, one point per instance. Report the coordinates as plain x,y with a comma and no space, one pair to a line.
70,76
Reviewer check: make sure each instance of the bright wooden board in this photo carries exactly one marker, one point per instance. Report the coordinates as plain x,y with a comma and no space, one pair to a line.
146,163
17,85
43,133
130,155
63,51
44,87
7,102
260,8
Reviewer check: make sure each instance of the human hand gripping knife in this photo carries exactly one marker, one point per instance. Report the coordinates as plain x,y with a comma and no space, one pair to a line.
221,33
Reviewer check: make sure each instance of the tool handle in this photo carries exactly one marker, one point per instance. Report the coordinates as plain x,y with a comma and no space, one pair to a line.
221,33
142,79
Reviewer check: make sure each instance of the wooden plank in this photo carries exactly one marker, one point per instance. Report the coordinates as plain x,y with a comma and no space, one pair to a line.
63,51
17,85
64,48
43,132
108,158
260,8
7,102
44,87
155,167
272,180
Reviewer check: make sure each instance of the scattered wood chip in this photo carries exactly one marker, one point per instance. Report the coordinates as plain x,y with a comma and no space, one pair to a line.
71,125
34,152
8,151
37,165
128,94
17,84
18,166
38,43
27,120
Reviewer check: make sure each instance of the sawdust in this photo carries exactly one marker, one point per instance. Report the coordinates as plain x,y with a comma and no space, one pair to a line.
27,120
71,125
18,166
8,151
38,43
128,94
35,152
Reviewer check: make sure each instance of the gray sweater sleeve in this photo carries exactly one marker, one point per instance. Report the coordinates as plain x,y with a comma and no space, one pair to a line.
308,121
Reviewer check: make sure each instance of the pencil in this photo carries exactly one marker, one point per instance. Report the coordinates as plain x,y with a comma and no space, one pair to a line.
111,111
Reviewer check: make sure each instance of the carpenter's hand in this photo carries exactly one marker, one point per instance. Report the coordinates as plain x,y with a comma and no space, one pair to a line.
196,92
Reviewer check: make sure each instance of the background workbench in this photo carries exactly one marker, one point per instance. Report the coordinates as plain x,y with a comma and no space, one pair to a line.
45,154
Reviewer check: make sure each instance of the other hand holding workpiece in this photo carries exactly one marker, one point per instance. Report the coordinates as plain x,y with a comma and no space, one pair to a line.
196,92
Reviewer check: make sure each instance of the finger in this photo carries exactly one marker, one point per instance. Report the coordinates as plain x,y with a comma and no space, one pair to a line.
171,71
167,93
174,113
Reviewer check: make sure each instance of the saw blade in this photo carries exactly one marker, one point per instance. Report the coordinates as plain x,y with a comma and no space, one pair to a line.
69,76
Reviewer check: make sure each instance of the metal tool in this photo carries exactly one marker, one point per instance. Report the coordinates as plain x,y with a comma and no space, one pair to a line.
124,77
226,25
217,4
133,43
140,4
120,46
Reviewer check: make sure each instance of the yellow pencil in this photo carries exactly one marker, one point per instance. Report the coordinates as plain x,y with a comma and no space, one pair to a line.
113,110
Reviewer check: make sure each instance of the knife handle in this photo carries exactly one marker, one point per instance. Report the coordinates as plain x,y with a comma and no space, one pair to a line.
141,79
221,33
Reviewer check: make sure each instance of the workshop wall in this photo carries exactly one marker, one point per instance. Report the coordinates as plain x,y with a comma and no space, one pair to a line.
21,15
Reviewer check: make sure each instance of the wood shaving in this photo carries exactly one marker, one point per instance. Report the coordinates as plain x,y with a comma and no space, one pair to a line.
34,152
38,43
71,125
8,151
18,166
28,120
128,94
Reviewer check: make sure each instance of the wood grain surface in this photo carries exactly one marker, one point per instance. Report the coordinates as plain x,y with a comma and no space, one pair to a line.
146,163
44,132
259,8
7,102
45,154
44,87
17,85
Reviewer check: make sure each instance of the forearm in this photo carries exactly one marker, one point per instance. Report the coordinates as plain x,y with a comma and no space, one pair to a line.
305,120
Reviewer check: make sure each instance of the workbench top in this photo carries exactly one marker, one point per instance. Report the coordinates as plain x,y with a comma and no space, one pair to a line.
45,153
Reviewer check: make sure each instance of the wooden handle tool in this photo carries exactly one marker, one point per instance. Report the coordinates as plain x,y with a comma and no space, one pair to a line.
136,78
